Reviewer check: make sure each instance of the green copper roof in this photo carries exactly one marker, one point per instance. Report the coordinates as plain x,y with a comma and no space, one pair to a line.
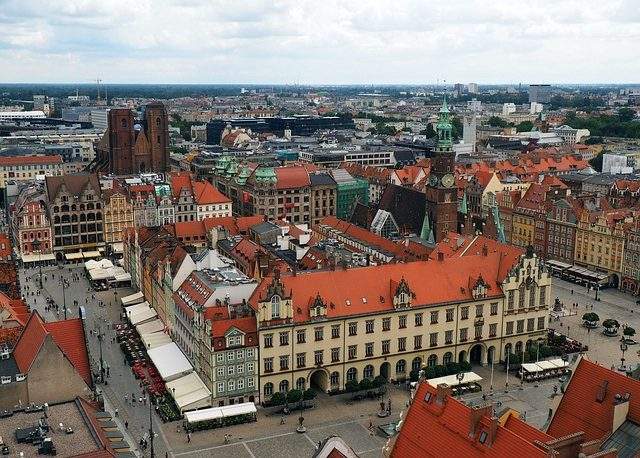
426,233
243,175
266,174
232,169
223,163
443,127
462,206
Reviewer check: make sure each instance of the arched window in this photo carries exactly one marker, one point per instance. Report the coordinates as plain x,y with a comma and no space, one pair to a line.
401,366
300,383
123,122
368,371
284,386
508,349
56,209
416,364
335,378
89,206
73,207
275,306
352,374
518,348
158,122
432,361
74,218
268,389
56,219
447,358
65,208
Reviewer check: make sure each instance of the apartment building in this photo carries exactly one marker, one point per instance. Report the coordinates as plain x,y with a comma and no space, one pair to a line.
27,168
118,214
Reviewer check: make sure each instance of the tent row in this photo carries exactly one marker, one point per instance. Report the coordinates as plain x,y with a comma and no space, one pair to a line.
452,380
543,369
219,414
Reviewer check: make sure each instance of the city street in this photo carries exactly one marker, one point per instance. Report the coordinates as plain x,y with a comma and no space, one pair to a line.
120,379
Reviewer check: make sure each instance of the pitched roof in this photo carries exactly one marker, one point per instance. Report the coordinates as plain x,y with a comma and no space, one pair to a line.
431,427
235,225
30,342
371,289
407,206
179,181
69,336
75,184
205,193
30,160
245,324
292,177
580,408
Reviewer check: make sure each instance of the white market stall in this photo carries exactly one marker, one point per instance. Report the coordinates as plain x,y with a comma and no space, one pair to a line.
220,416
132,299
543,369
452,380
150,327
140,313
170,361
156,339
189,392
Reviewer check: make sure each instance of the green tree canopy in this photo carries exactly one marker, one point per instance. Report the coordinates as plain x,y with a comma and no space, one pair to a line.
294,396
629,331
497,121
278,399
591,317
524,126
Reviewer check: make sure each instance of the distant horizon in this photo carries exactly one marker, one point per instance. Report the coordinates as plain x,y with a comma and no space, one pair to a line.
312,43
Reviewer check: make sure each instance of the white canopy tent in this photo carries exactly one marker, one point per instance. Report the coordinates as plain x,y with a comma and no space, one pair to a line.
452,380
150,327
136,307
142,315
189,392
38,257
170,361
215,413
531,367
156,339
134,298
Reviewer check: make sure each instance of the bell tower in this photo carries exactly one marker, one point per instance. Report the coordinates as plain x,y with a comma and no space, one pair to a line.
441,191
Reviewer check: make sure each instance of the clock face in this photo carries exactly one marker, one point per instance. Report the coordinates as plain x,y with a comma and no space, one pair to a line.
448,180
433,180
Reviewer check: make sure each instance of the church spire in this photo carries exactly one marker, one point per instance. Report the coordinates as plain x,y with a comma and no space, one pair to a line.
443,127
462,207
426,233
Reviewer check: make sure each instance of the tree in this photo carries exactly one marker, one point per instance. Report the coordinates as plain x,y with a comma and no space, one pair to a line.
497,121
352,386
278,399
596,162
590,319
629,332
309,394
429,132
524,126
626,114
456,128
294,396
366,384
610,326
379,381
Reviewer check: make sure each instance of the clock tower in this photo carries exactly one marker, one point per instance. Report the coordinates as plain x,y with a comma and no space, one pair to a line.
441,191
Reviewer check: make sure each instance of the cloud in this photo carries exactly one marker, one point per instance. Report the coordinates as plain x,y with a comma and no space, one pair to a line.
320,41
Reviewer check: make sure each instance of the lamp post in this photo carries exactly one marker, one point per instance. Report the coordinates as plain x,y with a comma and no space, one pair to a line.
459,378
37,244
100,337
153,453
623,348
597,289
64,284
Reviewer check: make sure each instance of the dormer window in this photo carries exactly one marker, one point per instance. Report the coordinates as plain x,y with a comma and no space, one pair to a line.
234,341
275,307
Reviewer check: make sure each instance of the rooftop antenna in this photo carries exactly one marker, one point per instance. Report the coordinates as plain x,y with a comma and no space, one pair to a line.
98,81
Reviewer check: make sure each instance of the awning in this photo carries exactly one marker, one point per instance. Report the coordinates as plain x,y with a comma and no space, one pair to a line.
150,327
170,361
559,363
91,254
189,392
531,367
546,365
142,316
117,248
122,277
134,298
156,339
452,380
38,257
220,412
73,256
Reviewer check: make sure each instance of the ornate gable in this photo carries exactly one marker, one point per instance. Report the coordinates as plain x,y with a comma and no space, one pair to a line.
402,294
318,308
480,288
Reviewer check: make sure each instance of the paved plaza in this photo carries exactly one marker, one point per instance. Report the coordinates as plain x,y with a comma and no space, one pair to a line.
333,415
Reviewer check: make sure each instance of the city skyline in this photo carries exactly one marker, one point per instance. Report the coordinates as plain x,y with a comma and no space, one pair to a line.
312,43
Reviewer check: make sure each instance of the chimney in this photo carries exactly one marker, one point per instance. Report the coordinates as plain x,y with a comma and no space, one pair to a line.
485,250
492,432
440,256
477,412
442,392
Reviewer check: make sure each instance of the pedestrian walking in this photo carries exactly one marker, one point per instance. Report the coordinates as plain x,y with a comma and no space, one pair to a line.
126,398
282,420
140,399
126,424
133,398
188,437
116,412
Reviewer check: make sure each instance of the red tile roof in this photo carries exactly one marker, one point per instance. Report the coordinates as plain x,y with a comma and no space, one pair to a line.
525,430
466,245
180,180
30,342
292,177
205,193
30,160
368,290
434,429
69,336
235,225
5,247
246,324
579,408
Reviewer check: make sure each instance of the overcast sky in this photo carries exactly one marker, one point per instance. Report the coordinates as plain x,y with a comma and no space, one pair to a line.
320,41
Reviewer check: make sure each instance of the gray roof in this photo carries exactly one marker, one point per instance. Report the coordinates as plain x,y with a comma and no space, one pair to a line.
321,179
264,228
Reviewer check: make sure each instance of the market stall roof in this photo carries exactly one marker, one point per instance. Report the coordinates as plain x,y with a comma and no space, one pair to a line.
117,247
546,365
214,413
170,361
142,315
91,264
91,254
132,298
72,256
150,327
189,392
558,264
531,367
156,339
559,362
451,380
136,307
38,257
122,277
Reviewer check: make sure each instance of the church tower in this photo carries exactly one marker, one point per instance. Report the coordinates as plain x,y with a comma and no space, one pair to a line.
441,191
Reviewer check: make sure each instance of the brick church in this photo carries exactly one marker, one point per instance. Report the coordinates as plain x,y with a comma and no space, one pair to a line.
131,146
